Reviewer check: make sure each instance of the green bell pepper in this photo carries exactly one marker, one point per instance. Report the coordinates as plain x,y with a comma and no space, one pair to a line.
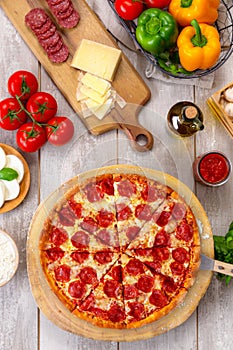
156,31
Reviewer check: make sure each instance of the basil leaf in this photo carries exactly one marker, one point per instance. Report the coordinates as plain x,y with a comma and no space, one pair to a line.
8,174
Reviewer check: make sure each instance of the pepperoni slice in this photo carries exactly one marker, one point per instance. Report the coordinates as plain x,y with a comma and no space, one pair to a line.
103,257
116,273
143,252
162,239
134,267
181,255
105,218
126,188
58,236
177,268
104,236
184,232
54,254
123,212
163,218
143,212
169,285
66,217
145,283
89,224
106,186
158,298
94,193
79,257
62,273
130,292
150,193
160,254
88,302
132,232
112,288
80,240
179,211
137,311
154,266
116,313
77,289
88,275
76,208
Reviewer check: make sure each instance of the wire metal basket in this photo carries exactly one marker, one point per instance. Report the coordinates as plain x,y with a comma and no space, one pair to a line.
224,25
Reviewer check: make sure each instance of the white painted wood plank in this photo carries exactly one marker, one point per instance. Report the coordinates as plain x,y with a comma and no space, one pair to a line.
216,308
18,311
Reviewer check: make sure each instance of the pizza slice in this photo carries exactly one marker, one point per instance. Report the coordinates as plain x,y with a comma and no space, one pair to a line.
136,199
177,265
104,306
159,230
74,274
146,295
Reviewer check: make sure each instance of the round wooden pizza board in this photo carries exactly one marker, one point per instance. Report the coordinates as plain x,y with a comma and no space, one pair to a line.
24,185
52,307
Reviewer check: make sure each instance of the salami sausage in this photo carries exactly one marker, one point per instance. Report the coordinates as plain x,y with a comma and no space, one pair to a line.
132,232
79,257
116,313
58,236
88,275
158,298
112,288
55,254
62,273
77,289
143,212
47,35
135,267
80,240
103,257
126,188
145,283
130,292
65,13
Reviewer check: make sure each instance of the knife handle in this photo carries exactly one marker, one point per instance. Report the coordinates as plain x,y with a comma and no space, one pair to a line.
224,268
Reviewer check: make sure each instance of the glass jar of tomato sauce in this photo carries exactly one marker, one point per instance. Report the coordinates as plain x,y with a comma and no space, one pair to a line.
212,168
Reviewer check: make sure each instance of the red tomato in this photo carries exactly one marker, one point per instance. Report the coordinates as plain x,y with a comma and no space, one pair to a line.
60,132
157,3
128,9
42,106
30,137
23,84
11,114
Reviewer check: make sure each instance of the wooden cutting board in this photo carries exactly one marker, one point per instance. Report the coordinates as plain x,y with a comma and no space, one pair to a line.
127,82
55,310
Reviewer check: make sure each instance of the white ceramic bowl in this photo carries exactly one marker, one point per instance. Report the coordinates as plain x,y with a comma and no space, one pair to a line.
9,258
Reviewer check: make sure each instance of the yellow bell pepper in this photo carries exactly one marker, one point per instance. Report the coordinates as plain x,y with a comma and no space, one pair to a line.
198,46
204,11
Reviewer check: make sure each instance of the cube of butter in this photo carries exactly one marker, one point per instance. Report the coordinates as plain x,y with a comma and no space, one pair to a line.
97,59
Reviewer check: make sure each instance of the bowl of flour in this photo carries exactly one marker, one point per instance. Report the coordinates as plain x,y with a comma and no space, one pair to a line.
9,258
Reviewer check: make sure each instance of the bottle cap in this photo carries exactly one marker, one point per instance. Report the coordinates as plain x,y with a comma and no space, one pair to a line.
190,112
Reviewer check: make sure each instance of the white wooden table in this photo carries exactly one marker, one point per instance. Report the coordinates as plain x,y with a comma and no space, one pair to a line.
22,326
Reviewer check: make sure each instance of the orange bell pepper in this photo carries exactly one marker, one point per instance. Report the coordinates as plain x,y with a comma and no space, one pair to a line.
198,46
184,11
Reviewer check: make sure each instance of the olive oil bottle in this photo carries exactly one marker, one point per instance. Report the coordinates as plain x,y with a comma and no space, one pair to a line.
185,119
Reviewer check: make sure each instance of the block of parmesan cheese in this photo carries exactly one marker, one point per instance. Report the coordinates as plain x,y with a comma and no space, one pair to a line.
98,59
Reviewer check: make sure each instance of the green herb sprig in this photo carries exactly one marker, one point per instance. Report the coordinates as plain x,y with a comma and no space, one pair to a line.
223,248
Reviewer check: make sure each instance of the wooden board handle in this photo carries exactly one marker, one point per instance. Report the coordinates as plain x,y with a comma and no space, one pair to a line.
141,139
224,268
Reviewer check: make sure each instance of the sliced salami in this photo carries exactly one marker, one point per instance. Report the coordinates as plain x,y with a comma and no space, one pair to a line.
51,41
65,13
36,18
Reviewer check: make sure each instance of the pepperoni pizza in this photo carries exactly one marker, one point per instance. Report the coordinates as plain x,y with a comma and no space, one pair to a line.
120,250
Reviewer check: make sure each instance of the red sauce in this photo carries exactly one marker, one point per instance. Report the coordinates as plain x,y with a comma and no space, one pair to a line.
214,168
